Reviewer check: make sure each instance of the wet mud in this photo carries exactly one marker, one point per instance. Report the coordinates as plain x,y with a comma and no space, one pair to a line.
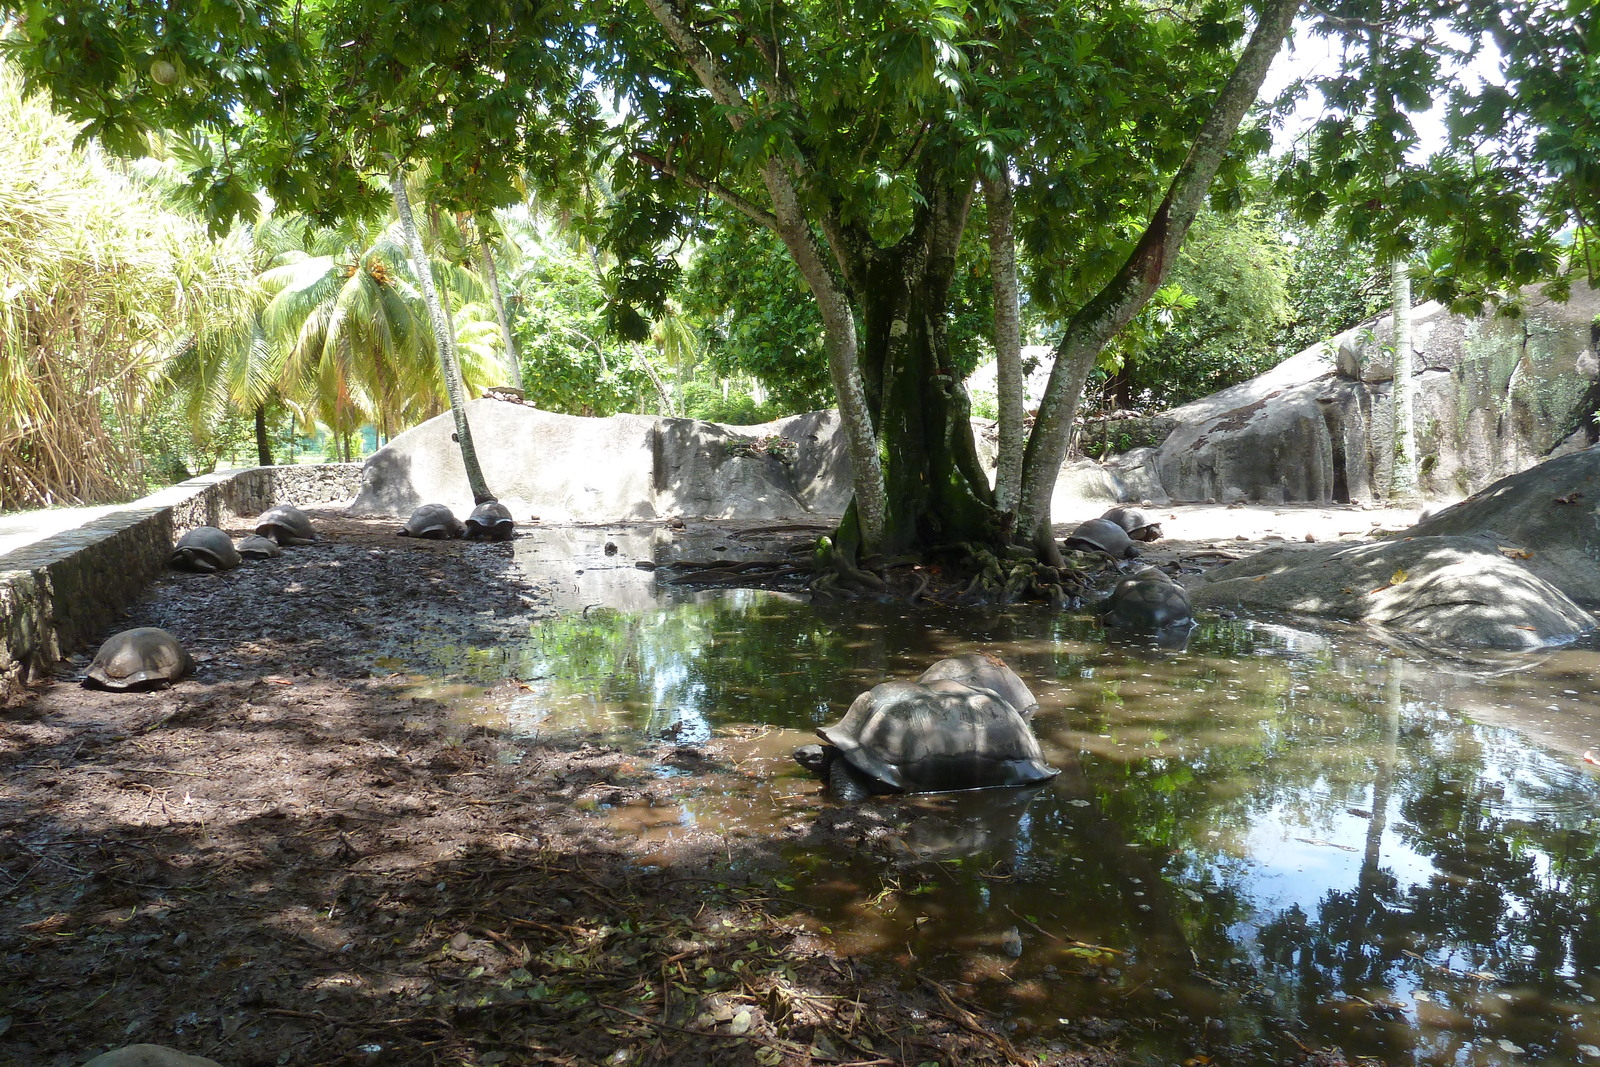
291,858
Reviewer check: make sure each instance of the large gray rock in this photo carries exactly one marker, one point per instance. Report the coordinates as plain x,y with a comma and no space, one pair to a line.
1493,396
564,468
1551,512
1464,590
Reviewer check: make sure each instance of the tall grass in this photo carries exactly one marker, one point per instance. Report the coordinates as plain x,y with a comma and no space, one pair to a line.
99,284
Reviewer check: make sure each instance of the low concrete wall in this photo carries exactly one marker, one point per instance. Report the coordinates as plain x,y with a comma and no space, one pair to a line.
60,593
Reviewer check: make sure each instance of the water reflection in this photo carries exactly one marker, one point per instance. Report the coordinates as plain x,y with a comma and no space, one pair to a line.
1272,835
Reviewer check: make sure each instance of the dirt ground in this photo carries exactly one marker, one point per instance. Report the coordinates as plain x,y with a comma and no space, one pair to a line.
285,859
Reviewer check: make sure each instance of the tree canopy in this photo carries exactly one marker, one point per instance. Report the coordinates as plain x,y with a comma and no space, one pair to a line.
858,134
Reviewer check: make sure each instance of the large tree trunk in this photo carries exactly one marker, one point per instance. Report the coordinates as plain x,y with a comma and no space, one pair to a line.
1007,340
789,220
263,440
1114,306
936,489
443,337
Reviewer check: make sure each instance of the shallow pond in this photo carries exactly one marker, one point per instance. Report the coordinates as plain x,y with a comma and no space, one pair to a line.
1281,834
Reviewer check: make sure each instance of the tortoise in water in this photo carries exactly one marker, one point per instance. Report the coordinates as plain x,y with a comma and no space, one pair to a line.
1147,601
436,522
1102,535
983,670
285,525
144,658
257,547
1139,524
926,737
490,521
205,549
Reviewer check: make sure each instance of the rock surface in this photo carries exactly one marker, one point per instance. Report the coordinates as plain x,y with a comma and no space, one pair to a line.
1463,591
566,468
1493,396
1551,512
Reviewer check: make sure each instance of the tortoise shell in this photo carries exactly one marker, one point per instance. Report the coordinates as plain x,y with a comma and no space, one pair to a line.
433,521
1146,601
143,658
257,547
928,737
1139,524
205,549
983,670
286,525
1102,535
491,521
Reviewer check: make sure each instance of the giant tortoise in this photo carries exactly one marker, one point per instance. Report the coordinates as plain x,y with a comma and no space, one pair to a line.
1140,524
205,549
1101,535
257,547
490,521
143,658
436,522
1147,601
285,524
926,737
984,670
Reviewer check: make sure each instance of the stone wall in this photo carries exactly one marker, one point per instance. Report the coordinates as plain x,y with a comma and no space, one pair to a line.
59,594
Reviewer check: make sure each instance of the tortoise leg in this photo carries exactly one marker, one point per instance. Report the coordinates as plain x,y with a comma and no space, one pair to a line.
848,785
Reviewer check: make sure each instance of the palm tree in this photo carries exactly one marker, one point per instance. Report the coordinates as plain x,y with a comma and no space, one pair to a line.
345,311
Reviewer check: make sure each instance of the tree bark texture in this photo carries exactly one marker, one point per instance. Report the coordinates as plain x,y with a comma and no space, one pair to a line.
263,440
1403,481
444,339
1007,340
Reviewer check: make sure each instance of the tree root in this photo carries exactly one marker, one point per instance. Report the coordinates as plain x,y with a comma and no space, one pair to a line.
960,574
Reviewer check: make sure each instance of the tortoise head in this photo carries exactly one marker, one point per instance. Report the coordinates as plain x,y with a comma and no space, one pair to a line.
815,758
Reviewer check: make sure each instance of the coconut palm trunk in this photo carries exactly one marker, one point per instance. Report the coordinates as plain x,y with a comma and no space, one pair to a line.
513,361
263,441
442,337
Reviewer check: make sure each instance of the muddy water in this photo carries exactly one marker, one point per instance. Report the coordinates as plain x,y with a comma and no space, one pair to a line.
1281,834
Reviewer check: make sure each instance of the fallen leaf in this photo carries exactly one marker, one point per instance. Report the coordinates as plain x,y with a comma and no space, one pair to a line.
1588,757
1570,498
740,1023
1516,553
1399,576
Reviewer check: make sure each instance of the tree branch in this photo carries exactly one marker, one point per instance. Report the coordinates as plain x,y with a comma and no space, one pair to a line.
700,60
754,212
1122,298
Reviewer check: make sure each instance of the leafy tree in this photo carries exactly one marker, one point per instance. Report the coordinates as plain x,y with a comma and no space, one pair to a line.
572,363
857,135
1335,285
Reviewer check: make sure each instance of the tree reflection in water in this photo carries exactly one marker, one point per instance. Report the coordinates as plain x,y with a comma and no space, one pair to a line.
1276,835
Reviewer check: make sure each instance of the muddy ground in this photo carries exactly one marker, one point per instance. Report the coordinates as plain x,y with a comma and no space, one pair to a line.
285,859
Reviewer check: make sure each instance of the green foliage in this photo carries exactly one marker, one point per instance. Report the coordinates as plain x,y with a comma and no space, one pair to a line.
570,363
759,318
1336,284
1222,324
705,400
174,448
